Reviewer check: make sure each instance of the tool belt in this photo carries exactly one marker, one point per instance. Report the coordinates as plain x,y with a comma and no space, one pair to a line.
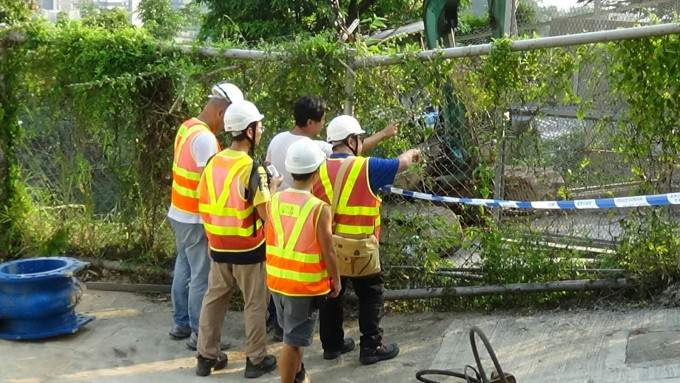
357,257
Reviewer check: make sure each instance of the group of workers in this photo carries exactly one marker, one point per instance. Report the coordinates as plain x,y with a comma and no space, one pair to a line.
270,230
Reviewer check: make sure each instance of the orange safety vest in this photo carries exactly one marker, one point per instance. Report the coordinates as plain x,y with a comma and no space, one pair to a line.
295,266
185,172
230,221
358,210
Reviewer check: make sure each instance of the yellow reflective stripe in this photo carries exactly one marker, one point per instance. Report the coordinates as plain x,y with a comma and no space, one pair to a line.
276,220
185,133
225,211
179,136
359,210
299,223
326,182
185,191
293,255
351,180
296,275
226,188
207,172
228,230
353,229
297,229
194,176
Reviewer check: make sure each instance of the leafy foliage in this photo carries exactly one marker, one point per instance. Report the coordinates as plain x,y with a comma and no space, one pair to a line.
102,100
106,18
279,20
12,63
160,19
647,78
15,11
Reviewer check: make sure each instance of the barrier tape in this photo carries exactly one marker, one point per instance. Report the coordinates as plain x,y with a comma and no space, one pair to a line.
603,203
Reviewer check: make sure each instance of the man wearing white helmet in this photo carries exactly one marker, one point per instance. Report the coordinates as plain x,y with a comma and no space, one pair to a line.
195,143
357,217
233,194
310,117
302,267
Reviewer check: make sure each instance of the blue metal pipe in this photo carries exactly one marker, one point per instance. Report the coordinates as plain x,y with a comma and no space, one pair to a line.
38,298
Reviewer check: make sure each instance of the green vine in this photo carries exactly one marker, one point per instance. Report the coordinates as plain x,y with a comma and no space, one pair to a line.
88,172
12,60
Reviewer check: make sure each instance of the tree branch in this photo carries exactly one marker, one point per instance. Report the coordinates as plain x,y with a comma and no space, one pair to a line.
218,70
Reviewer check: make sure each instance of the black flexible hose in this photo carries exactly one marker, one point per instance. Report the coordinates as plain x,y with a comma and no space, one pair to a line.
475,330
419,375
481,376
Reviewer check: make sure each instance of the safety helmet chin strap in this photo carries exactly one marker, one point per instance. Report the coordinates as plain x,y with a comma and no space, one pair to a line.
354,149
251,141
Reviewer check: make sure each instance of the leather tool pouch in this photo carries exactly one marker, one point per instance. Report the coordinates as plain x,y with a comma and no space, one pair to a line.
357,257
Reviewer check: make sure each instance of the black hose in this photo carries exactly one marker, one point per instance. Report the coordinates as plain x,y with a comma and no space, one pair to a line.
419,375
475,330
480,374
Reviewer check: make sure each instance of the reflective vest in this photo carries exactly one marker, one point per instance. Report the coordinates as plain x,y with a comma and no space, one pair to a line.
185,172
295,266
358,210
230,221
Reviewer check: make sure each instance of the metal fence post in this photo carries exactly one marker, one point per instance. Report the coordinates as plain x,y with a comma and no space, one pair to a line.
349,82
499,176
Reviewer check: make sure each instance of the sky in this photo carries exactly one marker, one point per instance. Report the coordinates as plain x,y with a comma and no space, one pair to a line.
560,4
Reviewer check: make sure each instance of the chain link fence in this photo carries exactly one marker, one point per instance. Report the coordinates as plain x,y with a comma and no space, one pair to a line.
544,18
544,151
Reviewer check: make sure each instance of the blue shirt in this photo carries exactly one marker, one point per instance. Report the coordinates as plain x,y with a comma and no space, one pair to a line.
381,171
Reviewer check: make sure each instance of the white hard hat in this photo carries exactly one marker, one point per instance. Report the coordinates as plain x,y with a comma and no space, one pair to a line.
304,156
239,115
342,127
227,91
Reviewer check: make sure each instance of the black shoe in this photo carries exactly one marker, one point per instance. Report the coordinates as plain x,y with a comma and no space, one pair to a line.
205,365
276,332
347,346
302,376
267,364
375,355
192,343
178,332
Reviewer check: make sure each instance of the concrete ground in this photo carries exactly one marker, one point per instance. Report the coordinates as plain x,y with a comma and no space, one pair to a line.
128,343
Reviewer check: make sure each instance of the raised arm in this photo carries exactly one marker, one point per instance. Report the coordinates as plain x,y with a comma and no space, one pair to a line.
408,158
372,141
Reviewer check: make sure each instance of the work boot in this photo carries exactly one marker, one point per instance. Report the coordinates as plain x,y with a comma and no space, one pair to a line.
347,346
302,376
267,364
374,355
276,332
178,332
205,365
192,343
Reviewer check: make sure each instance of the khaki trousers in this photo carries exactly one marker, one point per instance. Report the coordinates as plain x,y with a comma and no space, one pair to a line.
223,278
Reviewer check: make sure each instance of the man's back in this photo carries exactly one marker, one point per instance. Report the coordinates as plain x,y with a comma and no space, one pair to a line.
276,154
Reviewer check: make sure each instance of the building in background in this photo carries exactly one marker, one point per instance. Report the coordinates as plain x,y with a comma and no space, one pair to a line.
52,8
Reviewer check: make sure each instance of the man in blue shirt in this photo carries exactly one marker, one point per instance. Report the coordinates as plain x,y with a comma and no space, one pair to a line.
346,136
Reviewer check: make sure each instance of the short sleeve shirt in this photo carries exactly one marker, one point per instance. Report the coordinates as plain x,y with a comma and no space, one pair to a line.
381,171
276,154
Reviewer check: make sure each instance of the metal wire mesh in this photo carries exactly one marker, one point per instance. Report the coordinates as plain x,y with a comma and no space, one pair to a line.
545,19
548,153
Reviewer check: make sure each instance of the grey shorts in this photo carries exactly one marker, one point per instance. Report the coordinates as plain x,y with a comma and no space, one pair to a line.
297,317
